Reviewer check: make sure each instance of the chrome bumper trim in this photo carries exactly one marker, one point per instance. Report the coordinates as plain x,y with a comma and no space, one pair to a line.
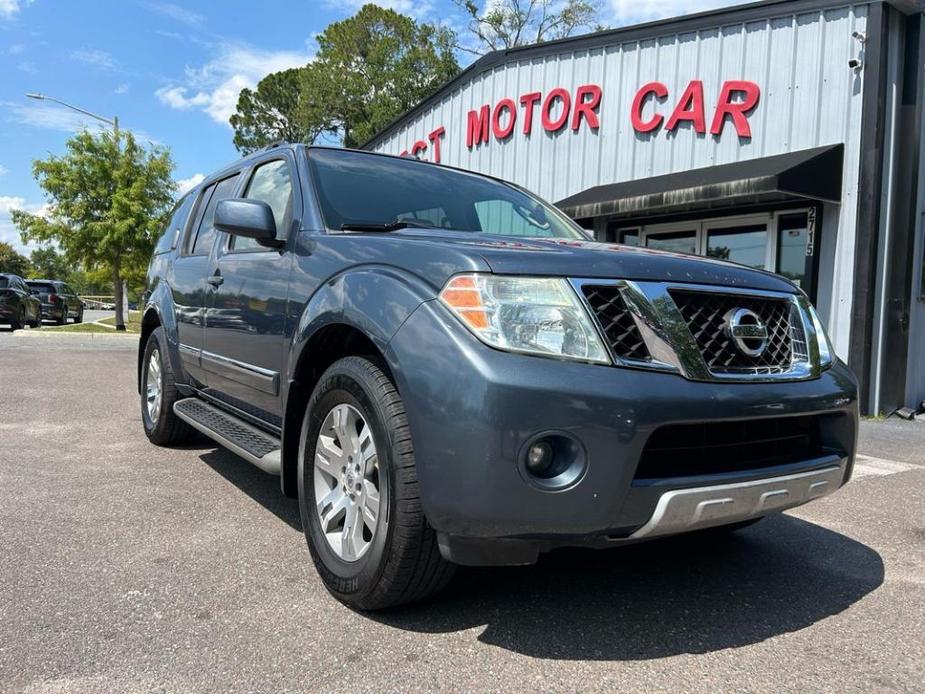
682,510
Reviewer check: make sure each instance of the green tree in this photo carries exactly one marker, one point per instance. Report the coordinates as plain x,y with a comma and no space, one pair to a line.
501,24
47,263
376,65
278,109
12,261
108,195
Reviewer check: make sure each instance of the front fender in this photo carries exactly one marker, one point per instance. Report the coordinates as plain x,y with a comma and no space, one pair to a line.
376,300
161,302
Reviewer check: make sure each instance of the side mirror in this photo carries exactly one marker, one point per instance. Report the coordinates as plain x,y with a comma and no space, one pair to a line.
250,218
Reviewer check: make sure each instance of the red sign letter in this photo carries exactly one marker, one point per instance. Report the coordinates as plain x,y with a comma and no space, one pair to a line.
586,108
556,125
503,105
689,108
527,101
660,91
435,137
477,130
737,110
418,147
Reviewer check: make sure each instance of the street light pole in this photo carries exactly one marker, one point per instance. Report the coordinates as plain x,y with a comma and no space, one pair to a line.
114,122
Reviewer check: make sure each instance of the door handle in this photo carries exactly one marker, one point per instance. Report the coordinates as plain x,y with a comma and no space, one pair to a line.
216,279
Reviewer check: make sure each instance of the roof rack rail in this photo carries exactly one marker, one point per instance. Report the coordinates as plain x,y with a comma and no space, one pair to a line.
275,144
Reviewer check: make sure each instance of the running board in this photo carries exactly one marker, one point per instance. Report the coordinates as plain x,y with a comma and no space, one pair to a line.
249,442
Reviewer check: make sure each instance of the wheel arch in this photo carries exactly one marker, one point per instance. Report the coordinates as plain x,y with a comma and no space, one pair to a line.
158,312
353,314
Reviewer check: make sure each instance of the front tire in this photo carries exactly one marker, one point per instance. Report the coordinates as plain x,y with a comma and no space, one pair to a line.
159,393
62,319
358,492
80,317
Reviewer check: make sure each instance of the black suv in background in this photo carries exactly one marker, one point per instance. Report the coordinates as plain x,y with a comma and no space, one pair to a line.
446,370
17,306
59,300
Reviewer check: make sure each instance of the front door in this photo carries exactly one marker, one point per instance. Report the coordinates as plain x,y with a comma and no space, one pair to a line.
247,299
188,277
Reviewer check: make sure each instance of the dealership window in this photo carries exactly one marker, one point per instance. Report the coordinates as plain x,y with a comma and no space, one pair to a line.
780,241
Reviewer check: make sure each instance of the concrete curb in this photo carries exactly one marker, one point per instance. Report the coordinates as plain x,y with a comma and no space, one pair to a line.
54,333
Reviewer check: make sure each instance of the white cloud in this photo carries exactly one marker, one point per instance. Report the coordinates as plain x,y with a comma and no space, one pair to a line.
122,88
95,58
16,48
214,87
3,170
10,8
623,12
58,118
8,232
175,12
48,116
184,185
10,202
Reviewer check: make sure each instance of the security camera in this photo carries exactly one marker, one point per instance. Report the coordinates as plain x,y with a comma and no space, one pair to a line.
855,64
859,35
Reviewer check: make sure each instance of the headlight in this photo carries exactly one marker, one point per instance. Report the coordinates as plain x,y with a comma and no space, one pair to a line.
525,314
826,352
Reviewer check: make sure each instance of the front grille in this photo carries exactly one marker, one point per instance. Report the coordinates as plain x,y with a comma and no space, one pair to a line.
705,315
688,450
616,321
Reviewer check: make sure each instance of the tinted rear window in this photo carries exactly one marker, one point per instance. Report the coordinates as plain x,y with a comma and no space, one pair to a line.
4,282
43,287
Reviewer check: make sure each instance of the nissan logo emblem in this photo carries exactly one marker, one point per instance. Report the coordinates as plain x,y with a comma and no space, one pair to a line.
747,331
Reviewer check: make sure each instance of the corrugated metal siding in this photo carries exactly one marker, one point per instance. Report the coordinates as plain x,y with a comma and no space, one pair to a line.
809,98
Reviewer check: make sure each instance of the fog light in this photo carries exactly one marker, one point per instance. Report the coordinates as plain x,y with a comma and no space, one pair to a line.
539,458
552,461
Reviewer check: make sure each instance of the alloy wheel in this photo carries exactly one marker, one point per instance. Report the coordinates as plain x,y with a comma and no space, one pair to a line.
153,386
346,479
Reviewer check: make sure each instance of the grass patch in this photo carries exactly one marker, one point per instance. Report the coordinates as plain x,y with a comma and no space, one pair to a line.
132,325
80,328
132,322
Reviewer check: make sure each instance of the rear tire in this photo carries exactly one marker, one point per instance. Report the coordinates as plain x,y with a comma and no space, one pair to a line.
62,319
161,424
19,322
399,561
80,317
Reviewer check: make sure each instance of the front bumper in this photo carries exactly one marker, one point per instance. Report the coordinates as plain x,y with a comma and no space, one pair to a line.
473,409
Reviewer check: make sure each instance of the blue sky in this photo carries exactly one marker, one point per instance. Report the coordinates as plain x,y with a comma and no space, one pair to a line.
170,71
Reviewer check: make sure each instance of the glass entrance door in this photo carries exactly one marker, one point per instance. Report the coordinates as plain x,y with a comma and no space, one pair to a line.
777,241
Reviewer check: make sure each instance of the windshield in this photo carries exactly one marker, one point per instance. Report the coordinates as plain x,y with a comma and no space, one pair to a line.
368,191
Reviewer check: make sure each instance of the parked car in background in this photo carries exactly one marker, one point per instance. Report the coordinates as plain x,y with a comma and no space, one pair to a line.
59,300
17,305
446,370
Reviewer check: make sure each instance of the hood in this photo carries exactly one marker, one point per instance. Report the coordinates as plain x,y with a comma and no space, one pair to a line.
592,259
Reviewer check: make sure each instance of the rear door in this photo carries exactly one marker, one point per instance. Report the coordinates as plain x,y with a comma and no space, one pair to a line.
188,275
247,298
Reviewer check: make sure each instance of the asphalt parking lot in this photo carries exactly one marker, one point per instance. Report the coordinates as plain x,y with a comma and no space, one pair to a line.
126,567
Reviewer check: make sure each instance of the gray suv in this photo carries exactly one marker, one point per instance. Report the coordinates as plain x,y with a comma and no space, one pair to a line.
446,370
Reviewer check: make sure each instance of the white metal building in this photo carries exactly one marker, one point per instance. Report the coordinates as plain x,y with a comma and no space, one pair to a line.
784,135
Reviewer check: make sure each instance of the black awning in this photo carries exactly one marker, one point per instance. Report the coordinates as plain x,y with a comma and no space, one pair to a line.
814,174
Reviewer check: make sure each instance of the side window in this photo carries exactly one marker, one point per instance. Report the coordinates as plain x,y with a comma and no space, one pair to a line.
271,184
504,217
175,224
206,232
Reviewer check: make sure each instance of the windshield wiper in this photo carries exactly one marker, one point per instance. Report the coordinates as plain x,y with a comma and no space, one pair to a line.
394,225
